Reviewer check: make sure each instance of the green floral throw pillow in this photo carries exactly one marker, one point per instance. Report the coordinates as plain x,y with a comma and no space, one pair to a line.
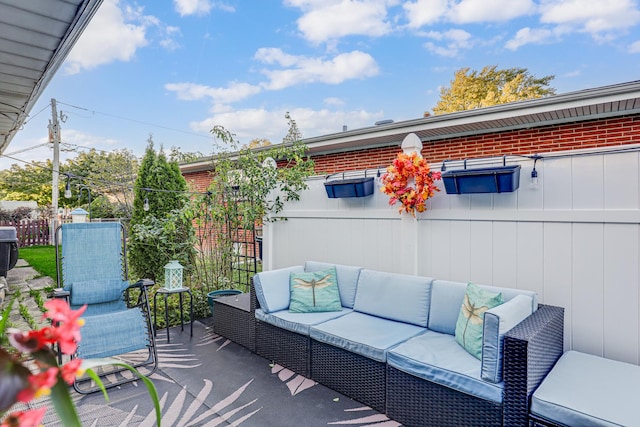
471,318
314,292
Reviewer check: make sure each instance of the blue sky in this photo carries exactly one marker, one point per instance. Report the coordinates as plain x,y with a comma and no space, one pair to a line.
174,69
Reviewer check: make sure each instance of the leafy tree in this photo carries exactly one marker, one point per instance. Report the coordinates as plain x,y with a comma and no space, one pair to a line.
16,214
246,189
107,174
162,232
492,86
257,143
175,154
29,182
260,189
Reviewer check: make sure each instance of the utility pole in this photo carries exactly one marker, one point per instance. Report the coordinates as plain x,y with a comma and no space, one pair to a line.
54,137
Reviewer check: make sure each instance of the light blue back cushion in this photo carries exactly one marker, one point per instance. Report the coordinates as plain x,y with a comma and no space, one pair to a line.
394,296
272,288
347,279
446,300
498,321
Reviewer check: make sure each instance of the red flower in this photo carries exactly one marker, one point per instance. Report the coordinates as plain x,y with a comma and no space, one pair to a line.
39,384
31,418
67,324
70,370
59,311
31,341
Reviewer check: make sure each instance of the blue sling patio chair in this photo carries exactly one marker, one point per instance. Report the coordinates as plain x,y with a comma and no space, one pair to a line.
92,270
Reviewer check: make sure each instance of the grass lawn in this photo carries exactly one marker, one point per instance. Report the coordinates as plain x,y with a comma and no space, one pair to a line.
41,258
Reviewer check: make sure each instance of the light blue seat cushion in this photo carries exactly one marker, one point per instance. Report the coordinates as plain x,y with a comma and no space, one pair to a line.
498,321
446,300
298,322
366,335
112,334
272,288
394,296
347,279
587,390
440,359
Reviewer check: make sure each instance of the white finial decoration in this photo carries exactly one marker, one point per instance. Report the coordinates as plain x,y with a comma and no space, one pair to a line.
411,143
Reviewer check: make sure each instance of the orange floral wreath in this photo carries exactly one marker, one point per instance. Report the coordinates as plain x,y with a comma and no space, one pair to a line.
397,182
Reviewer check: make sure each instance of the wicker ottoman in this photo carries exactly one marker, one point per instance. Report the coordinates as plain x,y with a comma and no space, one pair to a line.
233,319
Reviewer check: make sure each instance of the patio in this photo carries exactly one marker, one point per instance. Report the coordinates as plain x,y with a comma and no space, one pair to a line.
208,380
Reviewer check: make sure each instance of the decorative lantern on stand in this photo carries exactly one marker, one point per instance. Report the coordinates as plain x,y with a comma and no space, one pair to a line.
173,275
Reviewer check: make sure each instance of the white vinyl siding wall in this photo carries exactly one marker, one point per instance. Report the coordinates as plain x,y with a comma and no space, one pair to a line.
574,239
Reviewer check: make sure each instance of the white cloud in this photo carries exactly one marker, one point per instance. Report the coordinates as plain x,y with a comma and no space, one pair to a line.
527,35
107,38
234,92
467,11
425,12
192,7
296,70
116,33
593,17
168,40
301,69
260,123
333,101
454,41
634,47
328,20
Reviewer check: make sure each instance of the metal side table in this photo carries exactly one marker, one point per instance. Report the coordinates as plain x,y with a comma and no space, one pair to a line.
165,293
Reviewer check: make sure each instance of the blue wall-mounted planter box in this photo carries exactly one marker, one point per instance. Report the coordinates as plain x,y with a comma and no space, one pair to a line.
342,188
502,179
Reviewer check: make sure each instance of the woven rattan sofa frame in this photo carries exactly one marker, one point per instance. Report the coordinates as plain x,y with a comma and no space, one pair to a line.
356,376
531,349
351,374
539,422
286,348
237,325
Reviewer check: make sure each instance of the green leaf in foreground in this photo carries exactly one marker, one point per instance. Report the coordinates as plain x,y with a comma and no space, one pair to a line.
89,364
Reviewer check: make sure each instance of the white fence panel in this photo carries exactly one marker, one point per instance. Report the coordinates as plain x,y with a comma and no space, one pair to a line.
574,238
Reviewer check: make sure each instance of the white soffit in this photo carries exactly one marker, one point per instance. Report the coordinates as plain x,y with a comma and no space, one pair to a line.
35,38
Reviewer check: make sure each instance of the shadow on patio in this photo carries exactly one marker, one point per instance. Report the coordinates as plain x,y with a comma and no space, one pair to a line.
209,380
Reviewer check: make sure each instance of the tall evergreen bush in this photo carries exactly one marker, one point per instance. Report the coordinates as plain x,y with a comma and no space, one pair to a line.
162,233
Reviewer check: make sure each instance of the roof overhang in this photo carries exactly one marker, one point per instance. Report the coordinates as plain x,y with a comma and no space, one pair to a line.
35,38
608,101
589,104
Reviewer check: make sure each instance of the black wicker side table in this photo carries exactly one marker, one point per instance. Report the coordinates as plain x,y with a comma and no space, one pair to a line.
233,319
165,293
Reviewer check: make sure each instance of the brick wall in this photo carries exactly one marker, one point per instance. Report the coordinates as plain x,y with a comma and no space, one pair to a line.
198,180
589,134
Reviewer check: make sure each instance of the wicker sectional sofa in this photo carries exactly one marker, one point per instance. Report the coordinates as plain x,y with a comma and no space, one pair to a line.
392,346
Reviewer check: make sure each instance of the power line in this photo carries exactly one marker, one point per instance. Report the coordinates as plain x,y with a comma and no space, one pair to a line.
28,149
136,121
109,184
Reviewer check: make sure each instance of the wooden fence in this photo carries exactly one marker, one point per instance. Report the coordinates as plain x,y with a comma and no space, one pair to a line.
30,232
